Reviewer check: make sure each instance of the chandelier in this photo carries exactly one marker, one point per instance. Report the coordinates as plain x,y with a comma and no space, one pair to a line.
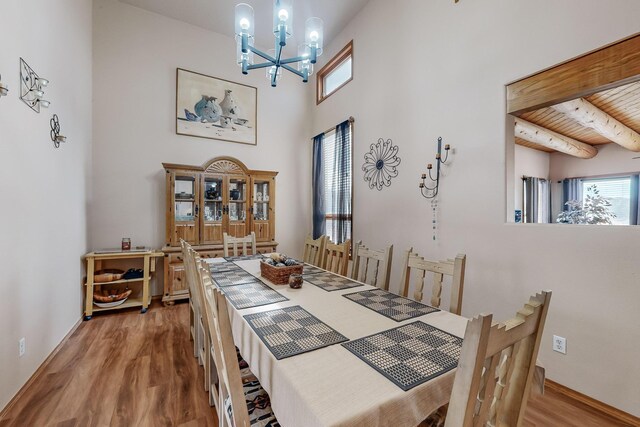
308,51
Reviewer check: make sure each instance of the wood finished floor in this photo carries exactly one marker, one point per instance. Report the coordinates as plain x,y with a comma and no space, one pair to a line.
128,369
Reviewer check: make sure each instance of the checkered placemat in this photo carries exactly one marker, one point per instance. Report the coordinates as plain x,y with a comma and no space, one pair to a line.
390,305
244,257
311,269
251,295
233,277
331,282
409,355
292,330
223,267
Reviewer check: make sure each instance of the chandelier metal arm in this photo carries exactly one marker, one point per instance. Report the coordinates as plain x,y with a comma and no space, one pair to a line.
293,70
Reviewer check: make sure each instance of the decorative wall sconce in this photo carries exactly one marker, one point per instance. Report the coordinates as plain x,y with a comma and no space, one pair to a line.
55,132
31,87
4,89
432,192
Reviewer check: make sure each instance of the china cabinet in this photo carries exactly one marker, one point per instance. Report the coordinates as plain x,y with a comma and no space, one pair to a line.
203,202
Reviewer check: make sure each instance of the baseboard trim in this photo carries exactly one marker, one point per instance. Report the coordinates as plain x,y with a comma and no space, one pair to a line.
597,405
38,371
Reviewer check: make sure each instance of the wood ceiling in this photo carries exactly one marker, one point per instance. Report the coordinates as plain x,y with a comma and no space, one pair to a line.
621,103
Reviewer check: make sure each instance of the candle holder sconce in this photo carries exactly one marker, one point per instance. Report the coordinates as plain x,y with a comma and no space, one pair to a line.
4,89
56,137
32,87
431,192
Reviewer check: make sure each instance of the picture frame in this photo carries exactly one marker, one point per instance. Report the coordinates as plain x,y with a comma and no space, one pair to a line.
215,108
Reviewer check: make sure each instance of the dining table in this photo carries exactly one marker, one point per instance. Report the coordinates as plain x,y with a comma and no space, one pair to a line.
331,386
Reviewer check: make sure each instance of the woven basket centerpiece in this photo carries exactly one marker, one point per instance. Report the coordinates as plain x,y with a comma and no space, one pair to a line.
277,268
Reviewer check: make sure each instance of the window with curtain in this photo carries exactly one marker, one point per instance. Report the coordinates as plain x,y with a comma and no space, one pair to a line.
617,191
332,183
536,200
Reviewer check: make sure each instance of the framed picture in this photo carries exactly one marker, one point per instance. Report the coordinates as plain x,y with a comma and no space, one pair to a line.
209,107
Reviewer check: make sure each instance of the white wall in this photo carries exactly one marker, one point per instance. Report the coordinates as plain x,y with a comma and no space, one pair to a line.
530,163
429,69
43,189
611,159
136,54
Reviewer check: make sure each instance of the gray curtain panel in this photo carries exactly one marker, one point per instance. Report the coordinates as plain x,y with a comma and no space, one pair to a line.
634,217
537,200
341,194
317,183
571,190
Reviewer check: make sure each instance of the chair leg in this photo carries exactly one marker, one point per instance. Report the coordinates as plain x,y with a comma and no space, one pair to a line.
207,361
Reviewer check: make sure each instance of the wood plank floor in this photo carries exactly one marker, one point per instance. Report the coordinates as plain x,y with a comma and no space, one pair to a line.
128,369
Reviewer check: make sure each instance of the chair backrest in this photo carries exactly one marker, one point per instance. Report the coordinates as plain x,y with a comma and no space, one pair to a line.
206,285
367,262
226,361
190,270
336,257
496,367
314,250
453,267
235,241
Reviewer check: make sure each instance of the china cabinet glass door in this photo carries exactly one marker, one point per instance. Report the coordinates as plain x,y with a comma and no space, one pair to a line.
237,194
186,208
261,208
213,209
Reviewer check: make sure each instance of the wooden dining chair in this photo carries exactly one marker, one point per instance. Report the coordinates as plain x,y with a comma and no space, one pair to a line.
372,266
314,250
453,268
230,241
207,285
496,368
195,318
336,257
237,399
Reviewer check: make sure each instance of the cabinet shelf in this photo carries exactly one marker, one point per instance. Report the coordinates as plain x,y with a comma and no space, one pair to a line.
115,282
130,302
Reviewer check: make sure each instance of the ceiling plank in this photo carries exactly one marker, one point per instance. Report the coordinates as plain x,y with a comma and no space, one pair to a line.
553,140
603,69
588,115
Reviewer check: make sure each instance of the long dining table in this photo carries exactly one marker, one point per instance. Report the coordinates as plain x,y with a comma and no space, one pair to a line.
330,386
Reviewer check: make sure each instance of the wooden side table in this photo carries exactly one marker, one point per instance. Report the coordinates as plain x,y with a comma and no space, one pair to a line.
141,298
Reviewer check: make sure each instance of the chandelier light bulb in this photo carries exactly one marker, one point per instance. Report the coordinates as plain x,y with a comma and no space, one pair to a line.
44,103
283,14
245,24
37,93
42,82
313,36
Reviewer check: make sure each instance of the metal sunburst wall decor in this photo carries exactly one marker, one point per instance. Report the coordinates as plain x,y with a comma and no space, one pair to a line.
381,164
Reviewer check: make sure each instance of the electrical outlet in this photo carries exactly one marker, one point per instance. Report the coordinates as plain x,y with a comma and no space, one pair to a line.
560,344
22,346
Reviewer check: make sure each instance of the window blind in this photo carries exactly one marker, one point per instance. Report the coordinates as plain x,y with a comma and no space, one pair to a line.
338,184
617,191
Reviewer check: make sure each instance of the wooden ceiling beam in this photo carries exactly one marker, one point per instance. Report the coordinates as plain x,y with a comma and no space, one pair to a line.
608,67
553,140
588,115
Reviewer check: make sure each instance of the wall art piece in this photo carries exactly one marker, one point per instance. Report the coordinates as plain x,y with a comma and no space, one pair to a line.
209,107
32,87
381,164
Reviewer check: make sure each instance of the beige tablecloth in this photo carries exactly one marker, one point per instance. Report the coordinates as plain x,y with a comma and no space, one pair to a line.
331,386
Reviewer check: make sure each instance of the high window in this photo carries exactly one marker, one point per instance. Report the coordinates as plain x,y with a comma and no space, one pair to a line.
337,73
